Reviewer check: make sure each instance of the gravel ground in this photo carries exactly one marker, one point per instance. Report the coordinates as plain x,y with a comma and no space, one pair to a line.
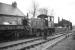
67,44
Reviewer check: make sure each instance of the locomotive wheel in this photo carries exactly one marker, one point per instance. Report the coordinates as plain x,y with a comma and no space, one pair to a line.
15,35
48,33
38,34
45,37
73,37
42,33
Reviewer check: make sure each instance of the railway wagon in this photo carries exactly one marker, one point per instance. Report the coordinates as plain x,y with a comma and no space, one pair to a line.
10,32
60,29
14,31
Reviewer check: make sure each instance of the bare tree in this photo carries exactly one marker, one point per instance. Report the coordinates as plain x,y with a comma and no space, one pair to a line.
52,12
34,9
43,11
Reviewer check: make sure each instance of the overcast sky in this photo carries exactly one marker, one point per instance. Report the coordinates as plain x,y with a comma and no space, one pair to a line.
62,8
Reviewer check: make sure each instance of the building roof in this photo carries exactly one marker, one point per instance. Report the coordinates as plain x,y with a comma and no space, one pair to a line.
64,22
7,9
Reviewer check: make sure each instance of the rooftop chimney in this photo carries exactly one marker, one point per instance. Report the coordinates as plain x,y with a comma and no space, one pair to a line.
14,4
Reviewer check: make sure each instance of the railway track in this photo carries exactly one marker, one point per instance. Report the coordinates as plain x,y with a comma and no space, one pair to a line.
15,43
28,44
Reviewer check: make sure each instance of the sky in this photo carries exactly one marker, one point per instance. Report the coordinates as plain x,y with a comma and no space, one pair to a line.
61,8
